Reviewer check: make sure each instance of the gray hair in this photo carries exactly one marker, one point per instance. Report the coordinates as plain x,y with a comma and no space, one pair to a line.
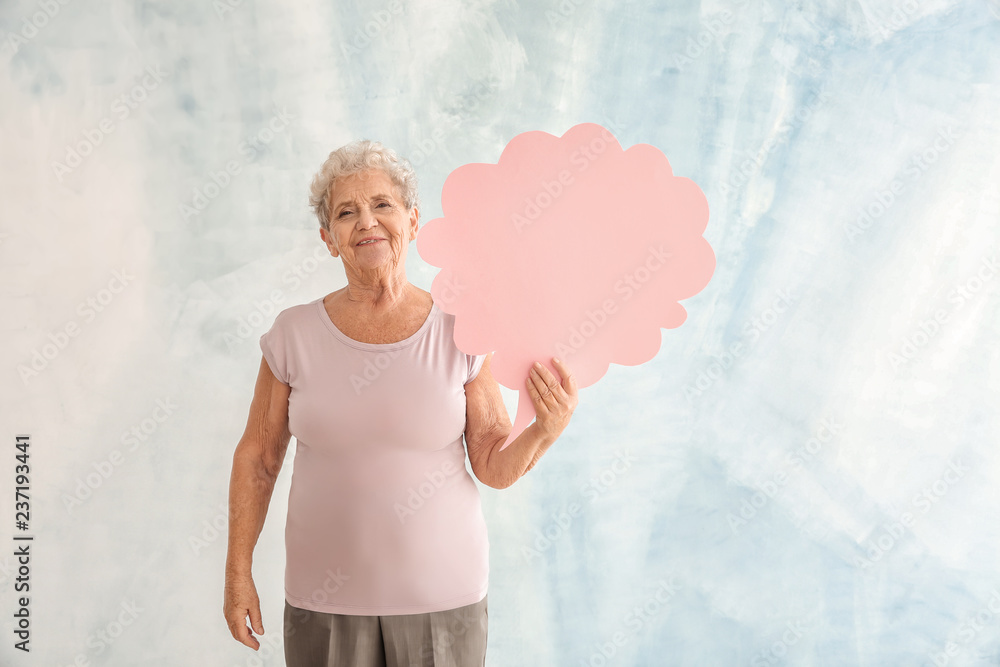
355,157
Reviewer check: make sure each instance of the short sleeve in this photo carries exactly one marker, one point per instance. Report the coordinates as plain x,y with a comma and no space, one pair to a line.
272,344
475,365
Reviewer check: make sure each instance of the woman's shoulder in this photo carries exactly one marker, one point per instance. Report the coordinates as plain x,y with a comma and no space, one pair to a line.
445,329
296,314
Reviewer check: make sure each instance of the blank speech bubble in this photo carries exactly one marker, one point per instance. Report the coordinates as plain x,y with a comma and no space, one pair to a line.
568,247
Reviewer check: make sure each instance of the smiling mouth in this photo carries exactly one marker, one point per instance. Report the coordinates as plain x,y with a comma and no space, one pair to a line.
370,242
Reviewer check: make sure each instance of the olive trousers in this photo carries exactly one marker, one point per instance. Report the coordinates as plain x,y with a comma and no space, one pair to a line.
451,638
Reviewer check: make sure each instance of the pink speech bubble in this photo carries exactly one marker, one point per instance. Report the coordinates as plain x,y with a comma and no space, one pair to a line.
568,247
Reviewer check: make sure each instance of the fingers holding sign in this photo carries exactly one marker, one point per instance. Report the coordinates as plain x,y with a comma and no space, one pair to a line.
554,398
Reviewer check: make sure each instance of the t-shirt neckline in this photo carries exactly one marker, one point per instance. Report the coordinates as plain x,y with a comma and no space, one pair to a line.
347,340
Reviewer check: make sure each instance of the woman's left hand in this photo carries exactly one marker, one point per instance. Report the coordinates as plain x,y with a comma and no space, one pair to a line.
554,399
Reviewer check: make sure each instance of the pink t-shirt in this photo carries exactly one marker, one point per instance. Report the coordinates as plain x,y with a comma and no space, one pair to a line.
383,517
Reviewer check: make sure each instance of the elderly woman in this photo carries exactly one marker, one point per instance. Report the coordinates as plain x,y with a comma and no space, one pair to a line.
387,556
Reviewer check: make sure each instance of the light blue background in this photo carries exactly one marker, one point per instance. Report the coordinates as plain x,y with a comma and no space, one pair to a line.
794,118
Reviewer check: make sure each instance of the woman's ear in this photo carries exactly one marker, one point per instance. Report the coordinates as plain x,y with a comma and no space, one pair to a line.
414,216
328,241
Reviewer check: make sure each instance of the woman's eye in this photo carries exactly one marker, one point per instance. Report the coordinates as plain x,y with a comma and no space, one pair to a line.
383,204
343,213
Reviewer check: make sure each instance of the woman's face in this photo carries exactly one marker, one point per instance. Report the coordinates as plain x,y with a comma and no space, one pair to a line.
365,205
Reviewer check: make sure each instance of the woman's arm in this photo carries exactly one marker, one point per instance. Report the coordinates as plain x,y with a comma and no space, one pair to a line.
256,464
487,424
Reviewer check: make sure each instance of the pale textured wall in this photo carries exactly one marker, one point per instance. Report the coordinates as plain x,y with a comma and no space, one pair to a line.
793,117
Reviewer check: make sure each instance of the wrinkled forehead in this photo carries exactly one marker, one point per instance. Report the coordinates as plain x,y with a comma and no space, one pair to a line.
362,186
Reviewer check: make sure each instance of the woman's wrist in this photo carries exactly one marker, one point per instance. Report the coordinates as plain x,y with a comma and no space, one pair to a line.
521,455
239,567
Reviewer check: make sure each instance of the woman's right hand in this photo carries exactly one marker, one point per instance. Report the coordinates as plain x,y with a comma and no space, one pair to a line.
241,601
